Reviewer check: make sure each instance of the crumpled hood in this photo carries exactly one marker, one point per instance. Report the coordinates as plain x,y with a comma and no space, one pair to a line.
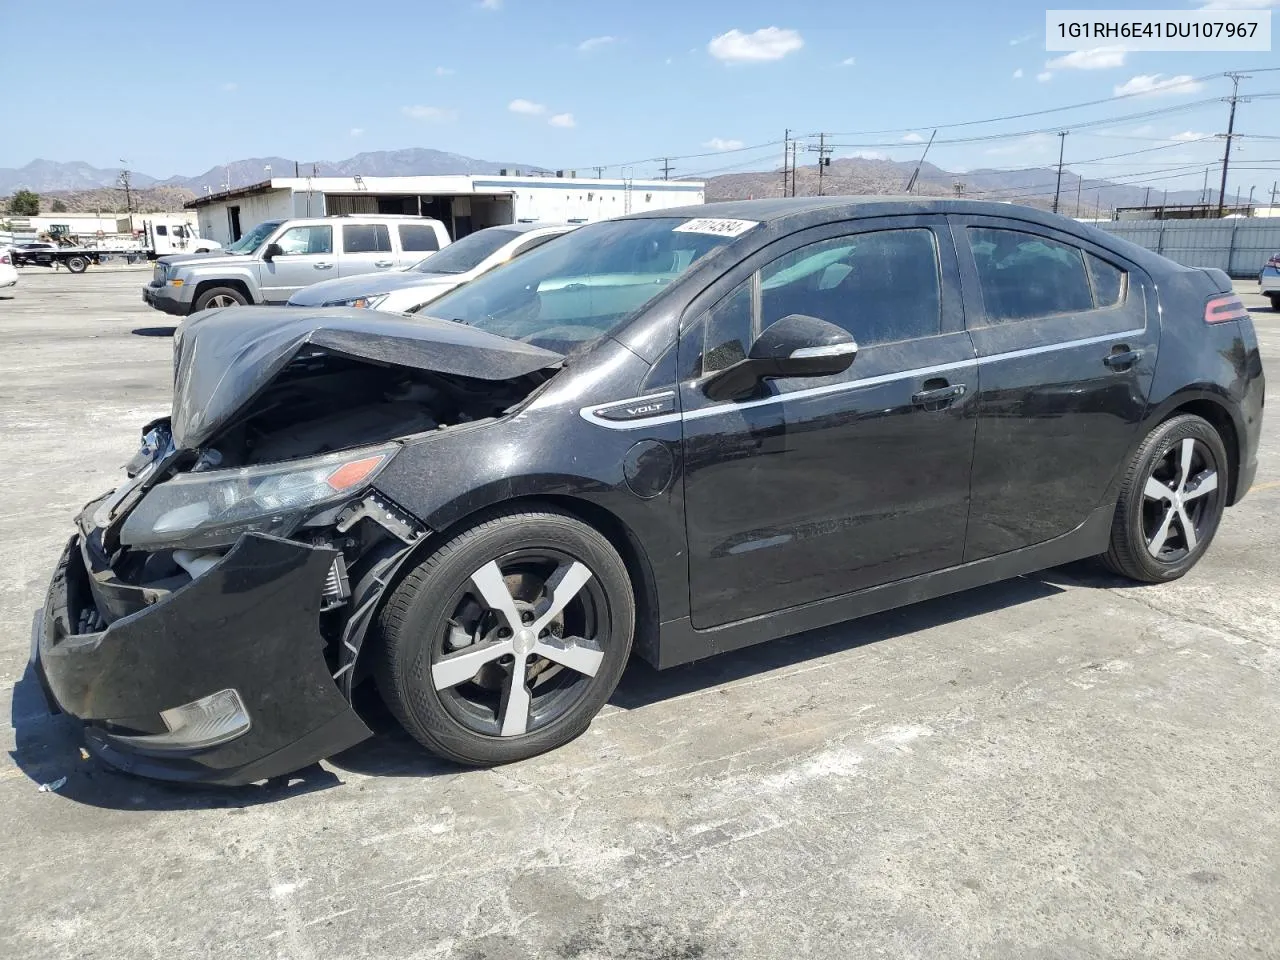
222,359
367,285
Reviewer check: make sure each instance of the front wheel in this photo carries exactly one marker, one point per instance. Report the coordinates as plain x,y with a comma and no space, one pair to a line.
1275,300
1171,502
77,264
218,297
507,640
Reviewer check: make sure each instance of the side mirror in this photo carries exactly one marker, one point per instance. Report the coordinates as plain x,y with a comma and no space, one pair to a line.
795,346
273,250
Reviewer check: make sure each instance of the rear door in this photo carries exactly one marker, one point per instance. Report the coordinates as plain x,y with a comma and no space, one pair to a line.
366,248
1066,336
306,257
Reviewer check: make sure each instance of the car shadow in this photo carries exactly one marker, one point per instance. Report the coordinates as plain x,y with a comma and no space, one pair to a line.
48,746
154,331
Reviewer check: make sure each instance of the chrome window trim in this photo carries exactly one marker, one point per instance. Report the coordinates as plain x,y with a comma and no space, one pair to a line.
588,413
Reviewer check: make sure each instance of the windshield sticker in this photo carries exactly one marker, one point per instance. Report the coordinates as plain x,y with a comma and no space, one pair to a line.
716,226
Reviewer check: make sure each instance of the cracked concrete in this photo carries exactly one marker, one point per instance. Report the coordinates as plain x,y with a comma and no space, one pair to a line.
1060,766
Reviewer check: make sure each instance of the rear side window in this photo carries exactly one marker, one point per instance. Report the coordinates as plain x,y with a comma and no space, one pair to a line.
882,286
418,238
162,231
1024,276
366,238
1108,281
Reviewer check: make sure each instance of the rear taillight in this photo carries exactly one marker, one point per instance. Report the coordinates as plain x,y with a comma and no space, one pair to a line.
1222,309
4,258
1274,262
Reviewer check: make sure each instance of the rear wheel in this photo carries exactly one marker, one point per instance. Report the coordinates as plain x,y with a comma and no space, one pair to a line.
508,639
216,297
77,264
1275,300
1171,502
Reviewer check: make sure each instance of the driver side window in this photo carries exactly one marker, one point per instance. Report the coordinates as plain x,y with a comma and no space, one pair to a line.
314,239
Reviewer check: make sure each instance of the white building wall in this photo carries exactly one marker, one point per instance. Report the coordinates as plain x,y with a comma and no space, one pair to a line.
215,222
562,201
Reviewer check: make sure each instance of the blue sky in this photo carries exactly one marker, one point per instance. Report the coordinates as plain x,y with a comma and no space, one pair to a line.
563,83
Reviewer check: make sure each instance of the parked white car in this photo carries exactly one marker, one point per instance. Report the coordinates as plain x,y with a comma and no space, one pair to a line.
410,289
8,272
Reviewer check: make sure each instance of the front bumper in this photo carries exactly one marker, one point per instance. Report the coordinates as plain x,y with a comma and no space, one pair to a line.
154,297
250,623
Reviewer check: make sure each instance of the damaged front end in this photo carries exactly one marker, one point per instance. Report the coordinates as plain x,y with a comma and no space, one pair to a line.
206,620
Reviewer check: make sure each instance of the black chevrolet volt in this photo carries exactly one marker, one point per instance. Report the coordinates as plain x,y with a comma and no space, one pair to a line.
676,433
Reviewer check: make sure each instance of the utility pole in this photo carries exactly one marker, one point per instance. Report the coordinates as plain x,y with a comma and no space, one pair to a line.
795,173
824,158
1251,189
126,183
666,168
1146,197
1079,185
1231,126
1062,144
958,187
599,173
916,172
1274,184
786,157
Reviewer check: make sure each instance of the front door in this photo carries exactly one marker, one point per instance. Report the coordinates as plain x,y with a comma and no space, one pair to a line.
819,487
306,258
1066,342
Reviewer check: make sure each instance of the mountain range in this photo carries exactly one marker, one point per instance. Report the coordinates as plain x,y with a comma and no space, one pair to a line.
83,187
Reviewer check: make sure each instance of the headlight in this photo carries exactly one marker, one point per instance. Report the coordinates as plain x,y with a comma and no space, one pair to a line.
213,508
369,303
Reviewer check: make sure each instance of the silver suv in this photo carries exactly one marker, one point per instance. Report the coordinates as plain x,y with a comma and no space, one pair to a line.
278,257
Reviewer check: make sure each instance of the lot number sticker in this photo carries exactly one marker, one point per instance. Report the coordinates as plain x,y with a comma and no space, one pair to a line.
716,227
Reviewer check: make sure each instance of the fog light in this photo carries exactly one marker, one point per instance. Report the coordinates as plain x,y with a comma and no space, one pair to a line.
203,723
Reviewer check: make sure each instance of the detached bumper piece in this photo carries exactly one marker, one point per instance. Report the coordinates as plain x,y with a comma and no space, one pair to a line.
222,681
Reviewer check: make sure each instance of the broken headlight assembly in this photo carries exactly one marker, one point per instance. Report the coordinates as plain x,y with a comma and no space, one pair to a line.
214,507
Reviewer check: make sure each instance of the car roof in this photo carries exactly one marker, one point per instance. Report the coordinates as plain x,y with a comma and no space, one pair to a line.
529,227
781,209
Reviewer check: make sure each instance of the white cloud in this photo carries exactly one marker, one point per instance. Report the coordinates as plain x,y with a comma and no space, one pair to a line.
1240,4
527,107
1099,58
913,138
865,155
490,4
231,87
429,114
768,43
445,71
563,120
1022,39
595,43
1017,74
1187,135
668,61
849,61
719,143
357,131
1155,84
1044,77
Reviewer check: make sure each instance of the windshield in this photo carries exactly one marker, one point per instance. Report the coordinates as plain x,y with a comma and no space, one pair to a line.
466,254
252,240
568,293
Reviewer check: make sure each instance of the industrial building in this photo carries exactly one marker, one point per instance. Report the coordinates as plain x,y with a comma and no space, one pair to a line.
463,203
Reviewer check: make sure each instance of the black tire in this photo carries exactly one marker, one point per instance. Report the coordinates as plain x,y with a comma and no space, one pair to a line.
1275,300
437,616
212,298
1150,542
77,264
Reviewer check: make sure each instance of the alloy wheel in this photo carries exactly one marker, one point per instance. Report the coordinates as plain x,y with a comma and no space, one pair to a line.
1179,500
221,300
522,644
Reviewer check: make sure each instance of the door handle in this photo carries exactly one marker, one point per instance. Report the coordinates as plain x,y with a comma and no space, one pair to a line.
938,395
382,263
1122,358
324,265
